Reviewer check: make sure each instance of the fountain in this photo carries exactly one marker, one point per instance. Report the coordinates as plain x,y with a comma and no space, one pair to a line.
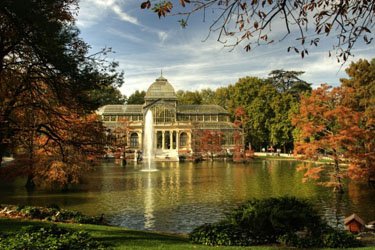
148,142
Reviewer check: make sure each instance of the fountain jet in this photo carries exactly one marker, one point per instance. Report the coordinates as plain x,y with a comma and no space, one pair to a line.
148,141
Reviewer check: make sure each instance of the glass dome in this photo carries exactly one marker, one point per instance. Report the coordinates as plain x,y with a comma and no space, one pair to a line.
160,89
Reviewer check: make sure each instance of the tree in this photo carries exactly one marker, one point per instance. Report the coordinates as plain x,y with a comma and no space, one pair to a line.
289,82
208,96
138,97
255,23
281,128
326,127
42,56
189,97
55,163
361,97
255,95
208,142
108,95
240,118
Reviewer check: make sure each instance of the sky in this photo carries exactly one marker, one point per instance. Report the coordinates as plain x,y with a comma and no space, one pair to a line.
144,45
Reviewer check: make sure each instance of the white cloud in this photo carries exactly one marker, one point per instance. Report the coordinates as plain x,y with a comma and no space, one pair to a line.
93,11
123,15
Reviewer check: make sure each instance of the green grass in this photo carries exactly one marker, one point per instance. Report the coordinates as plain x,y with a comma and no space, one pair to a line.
122,238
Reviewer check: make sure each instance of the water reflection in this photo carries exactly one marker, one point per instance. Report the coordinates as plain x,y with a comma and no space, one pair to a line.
180,196
149,204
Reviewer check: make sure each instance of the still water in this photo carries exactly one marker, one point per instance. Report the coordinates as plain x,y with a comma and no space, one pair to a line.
181,196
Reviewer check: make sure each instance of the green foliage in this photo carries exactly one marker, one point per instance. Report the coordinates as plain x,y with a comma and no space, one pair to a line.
189,97
270,218
286,220
329,238
219,234
54,213
138,97
53,76
294,240
52,237
289,82
335,238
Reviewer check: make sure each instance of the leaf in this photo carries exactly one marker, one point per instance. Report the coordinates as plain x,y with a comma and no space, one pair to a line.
256,25
182,2
146,5
327,28
183,23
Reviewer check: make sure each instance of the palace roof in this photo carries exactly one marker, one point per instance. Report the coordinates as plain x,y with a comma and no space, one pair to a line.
120,110
201,109
160,89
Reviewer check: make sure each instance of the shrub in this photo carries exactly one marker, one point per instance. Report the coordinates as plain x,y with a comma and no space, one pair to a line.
284,220
335,238
49,238
219,234
300,241
268,219
54,213
330,238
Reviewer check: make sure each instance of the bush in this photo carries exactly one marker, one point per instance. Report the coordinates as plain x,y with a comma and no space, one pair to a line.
330,238
284,220
266,220
219,234
300,241
339,239
48,238
54,213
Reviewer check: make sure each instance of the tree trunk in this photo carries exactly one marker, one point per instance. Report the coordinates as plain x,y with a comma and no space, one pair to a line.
338,188
30,184
2,151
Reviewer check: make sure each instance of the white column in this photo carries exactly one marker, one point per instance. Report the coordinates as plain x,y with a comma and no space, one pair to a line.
163,139
170,139
177,140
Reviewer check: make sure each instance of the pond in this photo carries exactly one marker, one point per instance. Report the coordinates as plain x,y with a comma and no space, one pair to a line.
181,196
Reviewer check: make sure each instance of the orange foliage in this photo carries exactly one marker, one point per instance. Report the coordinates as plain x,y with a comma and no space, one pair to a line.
55,150
326,127
208,141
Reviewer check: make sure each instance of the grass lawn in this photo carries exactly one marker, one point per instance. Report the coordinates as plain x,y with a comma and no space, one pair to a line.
122,238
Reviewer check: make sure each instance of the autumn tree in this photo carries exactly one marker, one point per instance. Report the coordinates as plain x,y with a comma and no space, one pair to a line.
326,127
120,136
253,23
40,51
210,142
59,161
360,86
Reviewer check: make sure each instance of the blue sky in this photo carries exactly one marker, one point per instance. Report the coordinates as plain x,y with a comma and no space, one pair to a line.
145,44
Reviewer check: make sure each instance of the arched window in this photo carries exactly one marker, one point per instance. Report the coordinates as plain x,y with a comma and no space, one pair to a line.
183,139
134,140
